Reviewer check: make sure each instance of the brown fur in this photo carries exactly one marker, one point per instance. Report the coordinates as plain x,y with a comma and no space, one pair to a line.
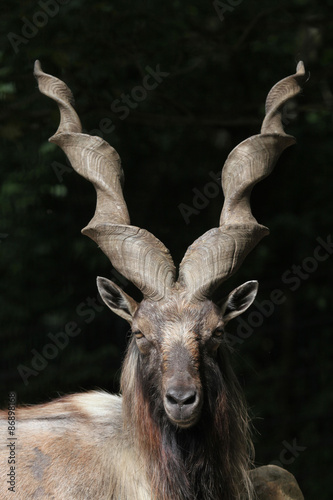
73,449
96,445
206,462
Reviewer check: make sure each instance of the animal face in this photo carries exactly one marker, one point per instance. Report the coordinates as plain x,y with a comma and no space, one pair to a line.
178,342
174,341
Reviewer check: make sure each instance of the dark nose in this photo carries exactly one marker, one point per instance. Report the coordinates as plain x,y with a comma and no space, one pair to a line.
181,397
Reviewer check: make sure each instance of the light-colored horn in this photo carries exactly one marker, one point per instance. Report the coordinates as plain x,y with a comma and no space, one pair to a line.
134,252
217,254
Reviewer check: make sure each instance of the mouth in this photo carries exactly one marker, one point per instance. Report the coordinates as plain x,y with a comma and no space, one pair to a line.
183,424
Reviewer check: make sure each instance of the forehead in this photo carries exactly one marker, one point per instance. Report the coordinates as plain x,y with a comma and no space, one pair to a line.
178,315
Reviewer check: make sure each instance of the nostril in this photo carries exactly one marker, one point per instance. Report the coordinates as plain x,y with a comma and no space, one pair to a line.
190,400
171,399
181,398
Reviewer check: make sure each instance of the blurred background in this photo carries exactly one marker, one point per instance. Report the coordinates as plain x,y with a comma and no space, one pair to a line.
210,67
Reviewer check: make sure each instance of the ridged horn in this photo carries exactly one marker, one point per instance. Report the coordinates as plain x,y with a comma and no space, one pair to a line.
134,252
217,254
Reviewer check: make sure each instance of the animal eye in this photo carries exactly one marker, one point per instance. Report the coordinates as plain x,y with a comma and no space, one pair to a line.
218,332
138,335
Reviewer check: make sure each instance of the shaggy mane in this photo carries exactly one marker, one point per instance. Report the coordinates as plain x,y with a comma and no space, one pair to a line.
209,461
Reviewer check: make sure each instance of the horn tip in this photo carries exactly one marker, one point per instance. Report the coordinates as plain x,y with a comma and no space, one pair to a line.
300,68
37,67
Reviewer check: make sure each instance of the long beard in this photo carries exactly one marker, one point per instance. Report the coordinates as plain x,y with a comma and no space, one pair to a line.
209,461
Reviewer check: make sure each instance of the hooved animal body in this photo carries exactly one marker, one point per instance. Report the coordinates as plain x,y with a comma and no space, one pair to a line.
180,429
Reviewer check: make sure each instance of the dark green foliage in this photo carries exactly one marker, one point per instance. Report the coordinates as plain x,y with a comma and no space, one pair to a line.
219,74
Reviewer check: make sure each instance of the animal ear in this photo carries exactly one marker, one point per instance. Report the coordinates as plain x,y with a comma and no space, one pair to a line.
116,299
239,300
